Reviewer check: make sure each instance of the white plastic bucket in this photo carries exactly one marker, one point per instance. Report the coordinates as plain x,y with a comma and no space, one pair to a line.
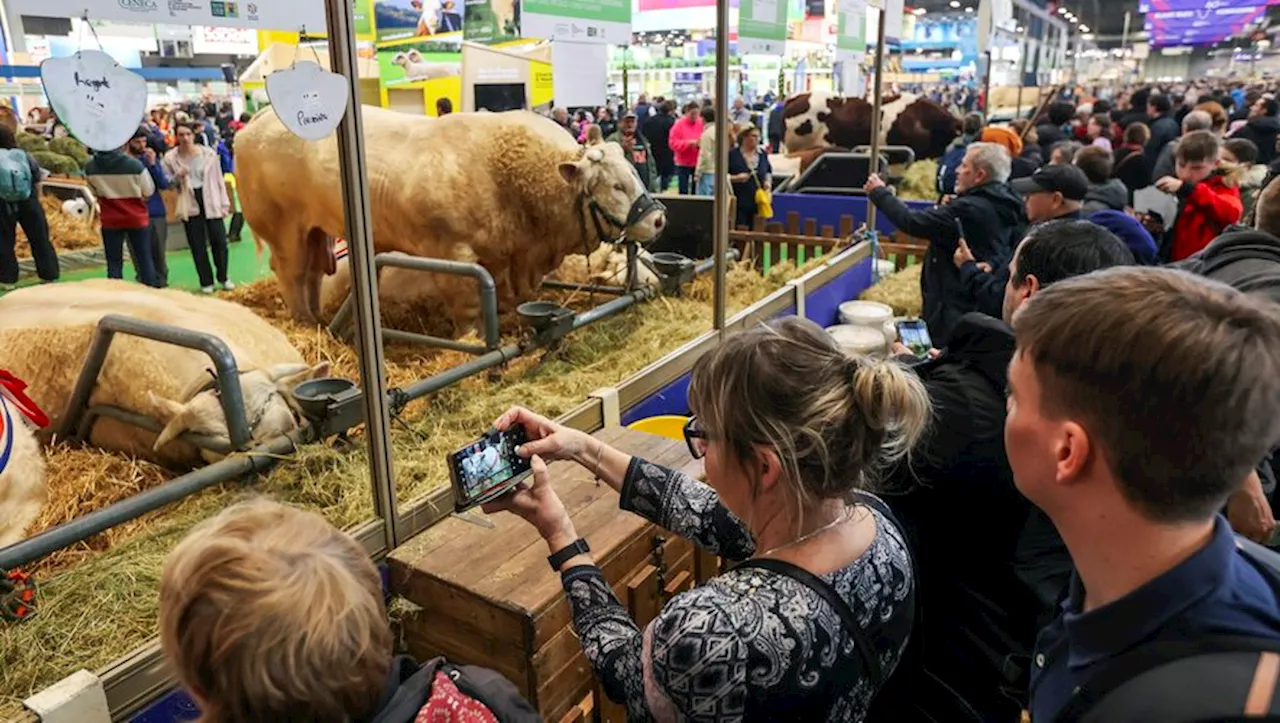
871,314
884,267
859,340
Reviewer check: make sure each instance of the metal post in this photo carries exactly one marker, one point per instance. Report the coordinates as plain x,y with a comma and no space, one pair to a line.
986,84
356,207
1023,45
721,207
877,94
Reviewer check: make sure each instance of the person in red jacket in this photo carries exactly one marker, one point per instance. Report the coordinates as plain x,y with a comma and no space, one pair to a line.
1210,202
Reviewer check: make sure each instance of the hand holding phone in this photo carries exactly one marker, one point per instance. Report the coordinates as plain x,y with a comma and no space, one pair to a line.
914,334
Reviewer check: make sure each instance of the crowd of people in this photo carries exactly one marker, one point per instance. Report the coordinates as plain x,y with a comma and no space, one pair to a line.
677,151
186,149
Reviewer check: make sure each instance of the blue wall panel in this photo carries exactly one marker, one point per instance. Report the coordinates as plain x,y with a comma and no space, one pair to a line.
822,305
671,399
827,210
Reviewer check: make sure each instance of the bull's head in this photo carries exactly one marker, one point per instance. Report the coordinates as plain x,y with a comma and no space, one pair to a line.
615,199
266,404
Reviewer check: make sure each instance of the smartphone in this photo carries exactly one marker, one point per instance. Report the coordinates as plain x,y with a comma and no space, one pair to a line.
488,468
959,229
915,336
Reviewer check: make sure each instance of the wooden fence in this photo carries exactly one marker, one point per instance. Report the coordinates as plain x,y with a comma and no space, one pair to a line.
771,242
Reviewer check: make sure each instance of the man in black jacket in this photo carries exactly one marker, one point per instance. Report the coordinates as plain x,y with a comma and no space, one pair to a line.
987,210
1052,193
1262,127
991,566
1163,127
657,130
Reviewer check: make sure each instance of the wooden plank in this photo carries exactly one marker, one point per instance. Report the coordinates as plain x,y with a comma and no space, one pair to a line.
811,227
846,226
682,582
828,231
793,222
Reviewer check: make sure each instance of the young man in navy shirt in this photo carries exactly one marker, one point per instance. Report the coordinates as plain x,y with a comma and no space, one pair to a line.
1140,398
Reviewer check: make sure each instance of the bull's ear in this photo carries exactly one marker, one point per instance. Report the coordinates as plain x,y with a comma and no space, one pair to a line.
286,382
571,172
178,422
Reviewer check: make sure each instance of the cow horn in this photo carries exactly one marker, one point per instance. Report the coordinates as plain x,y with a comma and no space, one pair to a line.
177,423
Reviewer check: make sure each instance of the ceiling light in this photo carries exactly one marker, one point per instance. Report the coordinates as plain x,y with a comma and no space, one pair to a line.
1084,28
919,11
1062,11
968,10
955,3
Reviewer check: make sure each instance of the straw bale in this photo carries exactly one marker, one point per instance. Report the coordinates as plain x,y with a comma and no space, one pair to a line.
900,290
920,182
66,232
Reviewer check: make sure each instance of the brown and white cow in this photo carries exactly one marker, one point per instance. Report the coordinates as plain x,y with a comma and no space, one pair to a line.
826,121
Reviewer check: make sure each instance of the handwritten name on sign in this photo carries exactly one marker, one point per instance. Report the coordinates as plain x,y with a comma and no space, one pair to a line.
99,100
308,100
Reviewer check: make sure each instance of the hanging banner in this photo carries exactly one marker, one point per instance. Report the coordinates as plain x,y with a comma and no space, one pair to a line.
256,14
851,30
893,12
363,11
578,21
491,21
762,26
417,19
99,100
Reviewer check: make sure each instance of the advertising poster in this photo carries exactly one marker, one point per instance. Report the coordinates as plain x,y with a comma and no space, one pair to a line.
578,21
408,19
851,29
762,26
256,14
413,64
363,10
491,21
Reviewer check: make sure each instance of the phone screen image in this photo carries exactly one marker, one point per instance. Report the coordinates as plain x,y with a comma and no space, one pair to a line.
915,336
488,464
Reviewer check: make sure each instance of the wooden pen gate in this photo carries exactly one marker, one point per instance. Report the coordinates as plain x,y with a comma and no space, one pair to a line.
771,242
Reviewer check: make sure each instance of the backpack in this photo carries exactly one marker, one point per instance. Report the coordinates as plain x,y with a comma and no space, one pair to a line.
1211,678
16,184
947,168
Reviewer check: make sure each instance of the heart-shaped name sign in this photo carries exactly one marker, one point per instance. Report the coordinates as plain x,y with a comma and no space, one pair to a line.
308,99
100,101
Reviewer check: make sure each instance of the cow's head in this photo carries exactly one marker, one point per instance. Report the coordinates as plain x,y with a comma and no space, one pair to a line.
615,199
805,118
268,406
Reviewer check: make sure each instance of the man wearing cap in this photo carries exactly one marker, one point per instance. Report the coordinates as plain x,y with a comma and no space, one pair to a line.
1052,193
636,148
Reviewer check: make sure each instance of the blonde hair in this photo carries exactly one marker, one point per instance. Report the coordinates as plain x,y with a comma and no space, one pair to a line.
269,613
595,136
836,421
1217,115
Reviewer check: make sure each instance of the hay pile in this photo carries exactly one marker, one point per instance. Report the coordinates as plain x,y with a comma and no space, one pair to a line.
920,182
900,290
66,232
99,600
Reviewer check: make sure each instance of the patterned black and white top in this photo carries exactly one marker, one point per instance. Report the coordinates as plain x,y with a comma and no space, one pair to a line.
748,645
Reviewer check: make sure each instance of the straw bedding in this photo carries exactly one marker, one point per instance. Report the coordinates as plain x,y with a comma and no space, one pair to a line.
920,182
66,232
900,290
98,600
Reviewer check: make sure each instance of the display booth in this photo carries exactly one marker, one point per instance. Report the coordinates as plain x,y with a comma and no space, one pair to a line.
505,78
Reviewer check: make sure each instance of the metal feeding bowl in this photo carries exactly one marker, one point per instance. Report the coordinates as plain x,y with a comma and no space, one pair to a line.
315,396
670,263
542,315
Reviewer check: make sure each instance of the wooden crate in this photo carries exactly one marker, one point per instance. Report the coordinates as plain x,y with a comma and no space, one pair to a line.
488,597
771,242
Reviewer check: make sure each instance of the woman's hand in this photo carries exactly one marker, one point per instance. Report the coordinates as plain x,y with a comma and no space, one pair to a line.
546,438
540,506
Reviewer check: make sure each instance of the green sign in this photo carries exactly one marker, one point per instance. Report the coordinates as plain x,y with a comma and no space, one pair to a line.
491,21
762,26
851,28
364,17
579,21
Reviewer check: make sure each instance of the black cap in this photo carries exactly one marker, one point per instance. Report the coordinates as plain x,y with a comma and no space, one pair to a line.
140,133
1067,180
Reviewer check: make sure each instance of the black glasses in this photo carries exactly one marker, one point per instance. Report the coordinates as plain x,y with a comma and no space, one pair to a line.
696,437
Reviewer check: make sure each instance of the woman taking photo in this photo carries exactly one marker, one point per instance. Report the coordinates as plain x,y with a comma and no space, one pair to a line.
815,621
202,205
749,171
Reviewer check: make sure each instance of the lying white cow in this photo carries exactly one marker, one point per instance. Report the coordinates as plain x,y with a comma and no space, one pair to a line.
45,333
22,485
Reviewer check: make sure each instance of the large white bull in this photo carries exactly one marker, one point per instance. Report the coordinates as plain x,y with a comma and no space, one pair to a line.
513,188
46,331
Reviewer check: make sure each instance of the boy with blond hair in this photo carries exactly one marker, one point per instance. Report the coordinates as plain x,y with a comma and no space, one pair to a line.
269,613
